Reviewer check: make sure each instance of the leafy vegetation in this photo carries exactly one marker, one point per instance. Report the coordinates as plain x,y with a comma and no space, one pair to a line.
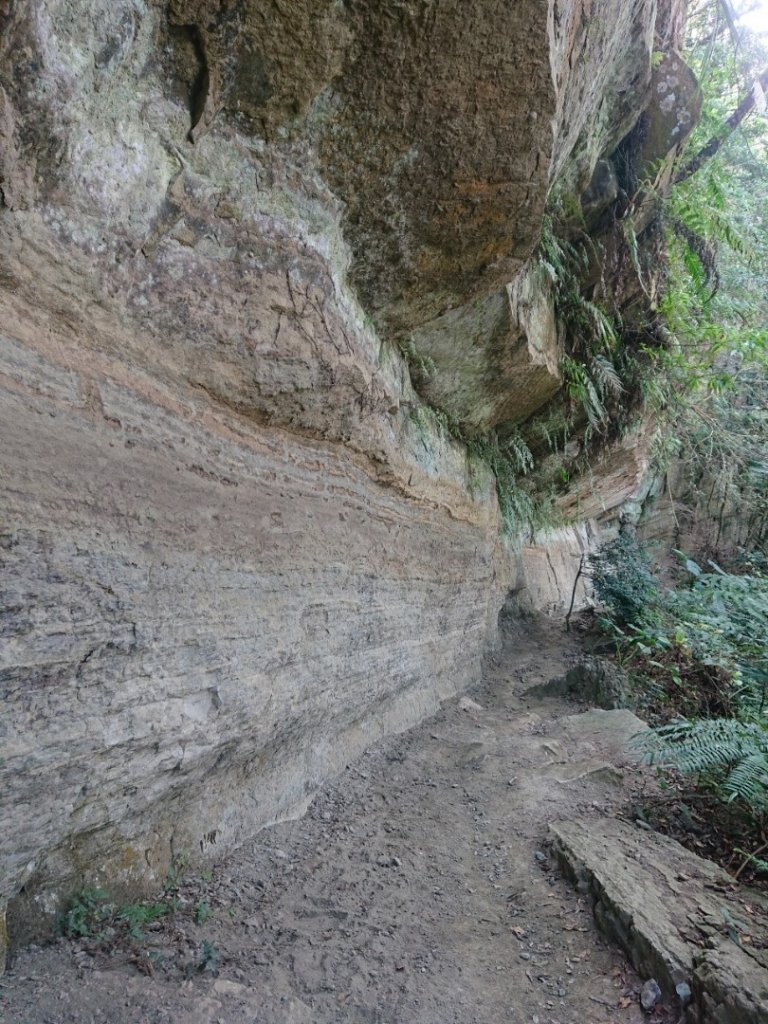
88,914
105,926
203,911
507,456
699,652
177,872
624,582
209,957
700,648
92,914
664,312
725,618
139,915
662,309
591,378
729,756
710,378
423,367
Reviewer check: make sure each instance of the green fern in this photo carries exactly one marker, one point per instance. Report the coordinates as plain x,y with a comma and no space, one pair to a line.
630,236
508,457
584,392
518,452
748,780
606,375
590,376
759,866
729,754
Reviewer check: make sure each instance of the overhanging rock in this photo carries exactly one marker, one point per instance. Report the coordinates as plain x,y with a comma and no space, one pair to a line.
495,360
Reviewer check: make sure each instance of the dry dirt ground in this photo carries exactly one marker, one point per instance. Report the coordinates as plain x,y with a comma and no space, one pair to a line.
417,890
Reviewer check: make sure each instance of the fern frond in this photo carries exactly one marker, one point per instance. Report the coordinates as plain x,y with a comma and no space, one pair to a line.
748,780
630,236
731,753
606,375
518,452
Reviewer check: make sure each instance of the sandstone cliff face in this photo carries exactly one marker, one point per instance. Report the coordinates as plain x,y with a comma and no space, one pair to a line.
233,550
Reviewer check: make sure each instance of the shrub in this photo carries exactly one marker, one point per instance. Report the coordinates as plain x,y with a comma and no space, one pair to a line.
624,583
89,913
725,621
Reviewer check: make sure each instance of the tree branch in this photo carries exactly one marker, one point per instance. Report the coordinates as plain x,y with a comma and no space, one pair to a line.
730,126
730,17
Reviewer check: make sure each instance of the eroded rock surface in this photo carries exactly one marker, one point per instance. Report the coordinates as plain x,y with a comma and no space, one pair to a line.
598,681
678,917
233,551
496,360
416,890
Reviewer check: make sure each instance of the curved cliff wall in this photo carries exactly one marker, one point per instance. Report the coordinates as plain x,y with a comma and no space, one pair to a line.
235,546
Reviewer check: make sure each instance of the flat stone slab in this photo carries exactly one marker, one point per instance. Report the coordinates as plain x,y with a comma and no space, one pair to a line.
609,732
681,919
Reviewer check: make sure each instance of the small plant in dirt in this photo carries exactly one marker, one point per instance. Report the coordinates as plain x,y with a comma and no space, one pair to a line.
210,957
103,926
93,915
177,872
88,915
203,912
139,915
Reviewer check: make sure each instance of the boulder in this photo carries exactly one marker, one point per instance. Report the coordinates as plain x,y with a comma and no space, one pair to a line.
598,681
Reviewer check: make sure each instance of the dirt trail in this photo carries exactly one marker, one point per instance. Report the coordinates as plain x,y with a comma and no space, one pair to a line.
417,890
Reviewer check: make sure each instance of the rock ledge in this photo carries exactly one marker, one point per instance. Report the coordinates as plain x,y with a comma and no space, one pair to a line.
679,918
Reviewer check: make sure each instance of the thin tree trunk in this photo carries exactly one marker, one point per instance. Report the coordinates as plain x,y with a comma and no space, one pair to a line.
727,9
730,126
573,594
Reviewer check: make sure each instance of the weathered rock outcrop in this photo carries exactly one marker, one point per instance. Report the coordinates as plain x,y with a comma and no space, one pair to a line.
233,553
675,915
702,510
598,681
546,571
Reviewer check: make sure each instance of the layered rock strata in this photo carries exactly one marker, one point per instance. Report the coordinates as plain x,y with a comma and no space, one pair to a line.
234,549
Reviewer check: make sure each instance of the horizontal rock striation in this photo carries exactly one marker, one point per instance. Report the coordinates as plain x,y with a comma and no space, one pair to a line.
201,621
234,548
